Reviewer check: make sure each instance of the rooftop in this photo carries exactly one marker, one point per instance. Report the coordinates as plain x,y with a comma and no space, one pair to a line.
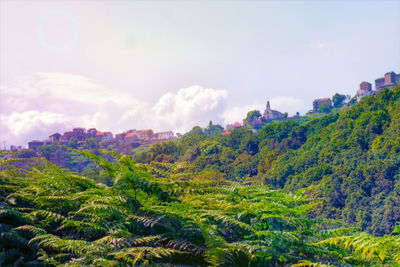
322,99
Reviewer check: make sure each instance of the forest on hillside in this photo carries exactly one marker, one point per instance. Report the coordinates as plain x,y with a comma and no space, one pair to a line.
164,214
351,159
304,193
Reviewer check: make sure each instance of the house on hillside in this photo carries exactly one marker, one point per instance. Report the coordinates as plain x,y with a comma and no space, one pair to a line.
388,81
121,136
319,102
144,134
130,138
35,144
236,125
79,133
160,136
67,136
104,136
365,90
55,137
91,132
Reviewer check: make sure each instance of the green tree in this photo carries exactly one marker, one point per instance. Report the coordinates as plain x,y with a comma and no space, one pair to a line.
338,100
251,115
213,129
196,131
324,108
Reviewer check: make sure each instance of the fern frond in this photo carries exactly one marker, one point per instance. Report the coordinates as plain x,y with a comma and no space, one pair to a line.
30,229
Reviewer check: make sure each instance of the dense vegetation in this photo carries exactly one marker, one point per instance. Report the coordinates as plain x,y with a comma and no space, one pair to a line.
167,214
351,158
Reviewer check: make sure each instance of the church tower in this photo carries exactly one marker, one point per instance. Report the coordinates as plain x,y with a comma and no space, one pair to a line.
268,107
268,112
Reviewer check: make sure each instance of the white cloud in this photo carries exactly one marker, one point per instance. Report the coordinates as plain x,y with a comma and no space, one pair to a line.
42,103
190,106
19,127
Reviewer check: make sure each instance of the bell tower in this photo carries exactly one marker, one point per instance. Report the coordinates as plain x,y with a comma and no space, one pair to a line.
268,112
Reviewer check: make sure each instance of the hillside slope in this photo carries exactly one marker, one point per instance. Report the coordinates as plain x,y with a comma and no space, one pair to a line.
350,158
354,162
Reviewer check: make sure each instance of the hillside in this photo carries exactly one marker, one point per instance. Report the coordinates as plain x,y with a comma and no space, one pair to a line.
354,162
167,215
350,158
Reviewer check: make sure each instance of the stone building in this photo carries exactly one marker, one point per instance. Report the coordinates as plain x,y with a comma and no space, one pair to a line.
35,144
55,137
379,83
91,132
270,114
319,102
121,136
388,81
77,133
365,86
130,138
144,134
365,90
168,135
104,136
67,136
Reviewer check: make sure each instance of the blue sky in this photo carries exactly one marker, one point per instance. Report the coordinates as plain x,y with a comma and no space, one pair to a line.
117,65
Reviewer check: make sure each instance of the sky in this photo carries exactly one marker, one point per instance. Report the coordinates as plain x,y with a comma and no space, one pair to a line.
171,65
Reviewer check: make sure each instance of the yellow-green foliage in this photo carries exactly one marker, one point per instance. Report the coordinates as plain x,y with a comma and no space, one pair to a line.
157,214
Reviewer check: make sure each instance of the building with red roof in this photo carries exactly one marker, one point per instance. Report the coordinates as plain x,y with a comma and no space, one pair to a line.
104,136
319,102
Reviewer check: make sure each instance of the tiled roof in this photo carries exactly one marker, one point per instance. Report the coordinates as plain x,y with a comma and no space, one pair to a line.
100,133
130,135
322,99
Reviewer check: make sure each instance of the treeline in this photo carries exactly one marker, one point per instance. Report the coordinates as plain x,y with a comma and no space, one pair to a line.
351,159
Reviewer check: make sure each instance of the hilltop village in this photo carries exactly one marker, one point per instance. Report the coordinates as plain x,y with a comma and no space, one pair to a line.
320,106
126,141
80,136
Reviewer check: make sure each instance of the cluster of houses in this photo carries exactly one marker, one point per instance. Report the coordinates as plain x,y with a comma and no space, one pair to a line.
389,80
268,116
81,135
